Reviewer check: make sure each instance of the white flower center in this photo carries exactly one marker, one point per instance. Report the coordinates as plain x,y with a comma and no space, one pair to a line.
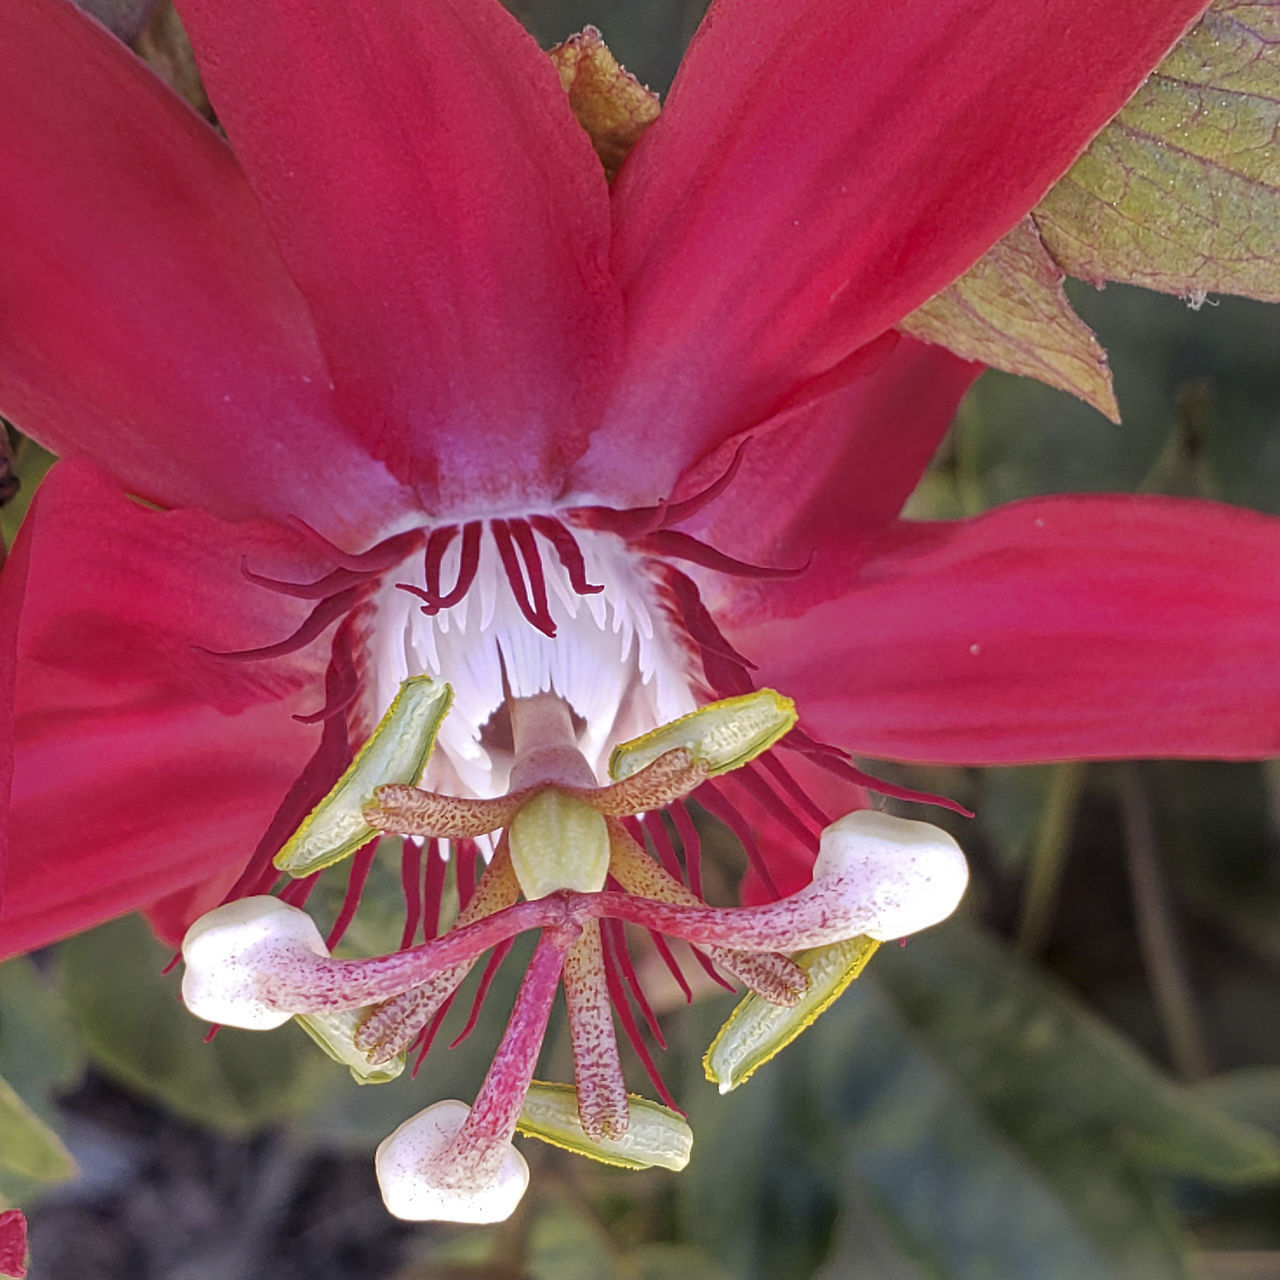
617,658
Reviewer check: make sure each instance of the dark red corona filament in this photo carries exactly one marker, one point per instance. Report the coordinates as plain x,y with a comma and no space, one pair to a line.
618,998
691,844
410,882
357,878
627,967
433,559
530,595
432,889
715,802
673,965
656,831
569,553
466,858
329,761
492,965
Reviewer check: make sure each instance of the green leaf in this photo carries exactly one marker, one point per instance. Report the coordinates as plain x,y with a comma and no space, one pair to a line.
1011,810
965,1195
137,1030
757,1149
40,1054
30,1149
31,463
566,1241
1009,311
1250,1095
675,1262
1047,1070
862,1117
40,1050
865,1246
1181,192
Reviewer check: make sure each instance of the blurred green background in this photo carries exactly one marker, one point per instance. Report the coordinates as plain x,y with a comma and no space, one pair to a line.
1077,1079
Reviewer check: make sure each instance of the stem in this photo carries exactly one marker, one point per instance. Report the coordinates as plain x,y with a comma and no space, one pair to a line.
1048,858
476,1151
813,917
308,983
545,744
1157,933
392,1025
771,976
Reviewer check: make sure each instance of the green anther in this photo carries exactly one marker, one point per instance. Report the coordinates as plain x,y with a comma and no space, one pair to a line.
756,1029
559,842
656,1136
720,736
397,751
335,1034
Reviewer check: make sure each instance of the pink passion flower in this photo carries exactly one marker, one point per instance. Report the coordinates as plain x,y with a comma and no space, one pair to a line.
427,416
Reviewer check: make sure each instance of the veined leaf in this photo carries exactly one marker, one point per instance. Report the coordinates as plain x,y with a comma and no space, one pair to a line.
1009,311
1249,1094
1181,192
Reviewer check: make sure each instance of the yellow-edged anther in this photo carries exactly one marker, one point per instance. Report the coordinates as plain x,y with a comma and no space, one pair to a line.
656,1136
756,1029
397,751
720,736
558,842
335,1033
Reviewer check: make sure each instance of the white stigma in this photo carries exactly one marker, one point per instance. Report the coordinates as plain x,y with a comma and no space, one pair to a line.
615,659
227,952
901,875
416,1186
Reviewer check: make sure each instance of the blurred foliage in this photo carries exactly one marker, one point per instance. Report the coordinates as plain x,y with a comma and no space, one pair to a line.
1079,1081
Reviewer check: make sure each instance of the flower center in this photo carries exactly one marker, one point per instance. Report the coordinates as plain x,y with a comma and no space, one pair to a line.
499,610
258,961
548,692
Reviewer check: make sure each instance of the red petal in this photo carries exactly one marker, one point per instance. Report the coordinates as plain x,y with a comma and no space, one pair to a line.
838,470
1052,629
13,585
142,763
824,166
13,1244
149,323
446,218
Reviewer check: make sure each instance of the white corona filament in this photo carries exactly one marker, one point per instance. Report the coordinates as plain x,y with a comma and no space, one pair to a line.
616,658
